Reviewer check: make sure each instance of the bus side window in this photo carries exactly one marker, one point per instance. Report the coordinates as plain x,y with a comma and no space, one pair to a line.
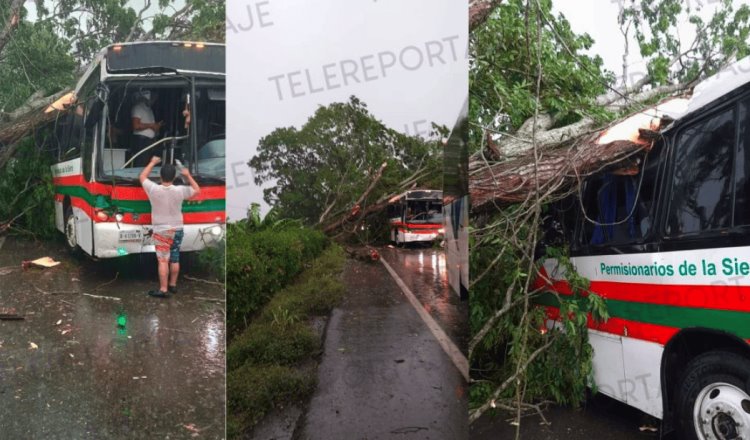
619,205
645,210
742,168
62,130
87,141
701,187
73,146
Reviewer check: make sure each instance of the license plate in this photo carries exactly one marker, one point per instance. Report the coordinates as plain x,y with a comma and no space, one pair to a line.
131,235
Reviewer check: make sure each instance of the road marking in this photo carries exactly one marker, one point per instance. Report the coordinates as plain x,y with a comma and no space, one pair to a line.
458,358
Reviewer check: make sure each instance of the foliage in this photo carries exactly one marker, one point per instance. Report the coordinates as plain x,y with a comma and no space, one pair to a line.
213,259
262,261
36,59
26,192
502,72
269,363
279,343
330,161
90,25
254,390
659,23
51,47
562,372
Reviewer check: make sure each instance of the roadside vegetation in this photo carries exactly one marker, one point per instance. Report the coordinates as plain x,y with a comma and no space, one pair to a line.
26,194
263,256
271,363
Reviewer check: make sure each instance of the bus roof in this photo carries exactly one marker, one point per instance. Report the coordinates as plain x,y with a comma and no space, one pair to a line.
128,59
715,87
418,194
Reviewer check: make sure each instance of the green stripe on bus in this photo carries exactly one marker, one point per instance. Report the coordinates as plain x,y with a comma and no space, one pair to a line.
670,316
97,201
144,206
137,206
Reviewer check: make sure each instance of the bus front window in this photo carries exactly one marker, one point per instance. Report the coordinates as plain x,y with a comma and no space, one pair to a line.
144,120
425,212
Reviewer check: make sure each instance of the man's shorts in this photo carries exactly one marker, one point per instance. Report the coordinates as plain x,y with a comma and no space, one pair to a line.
168,245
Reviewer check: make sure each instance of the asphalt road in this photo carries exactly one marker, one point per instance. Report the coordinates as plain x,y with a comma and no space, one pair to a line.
600,418
383,374
121,365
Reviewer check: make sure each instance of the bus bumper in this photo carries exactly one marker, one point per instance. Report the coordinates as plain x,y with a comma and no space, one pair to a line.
113,241
410,237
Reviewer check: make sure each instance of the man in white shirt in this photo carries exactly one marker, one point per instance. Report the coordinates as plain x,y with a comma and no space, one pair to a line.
145,128
166,218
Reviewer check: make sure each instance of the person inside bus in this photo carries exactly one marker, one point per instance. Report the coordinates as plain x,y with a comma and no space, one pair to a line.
145,128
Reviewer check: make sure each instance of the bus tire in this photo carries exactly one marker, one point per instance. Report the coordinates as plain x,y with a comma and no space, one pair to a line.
71,239
713,397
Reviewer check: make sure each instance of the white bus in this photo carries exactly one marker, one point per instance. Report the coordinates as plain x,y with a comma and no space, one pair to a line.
667,244
456,205
100,205
416,216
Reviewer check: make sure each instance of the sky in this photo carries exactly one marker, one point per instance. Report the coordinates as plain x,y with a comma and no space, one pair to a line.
405,60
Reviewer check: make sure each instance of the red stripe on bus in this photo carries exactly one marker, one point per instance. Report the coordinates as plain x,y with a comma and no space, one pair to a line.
417,232
418,225
719,297
83,205
623,327
120,192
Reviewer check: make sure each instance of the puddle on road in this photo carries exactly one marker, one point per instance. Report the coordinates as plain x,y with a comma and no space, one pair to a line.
121,364
424,271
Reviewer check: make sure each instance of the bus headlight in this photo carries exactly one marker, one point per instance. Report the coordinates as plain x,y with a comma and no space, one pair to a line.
216,231
441,231
119,217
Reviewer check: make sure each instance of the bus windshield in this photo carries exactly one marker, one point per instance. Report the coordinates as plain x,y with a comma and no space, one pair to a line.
168,118
424,211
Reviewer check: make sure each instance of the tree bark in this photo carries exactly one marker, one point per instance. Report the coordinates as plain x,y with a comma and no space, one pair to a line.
13,19
28,117
370,209
479,10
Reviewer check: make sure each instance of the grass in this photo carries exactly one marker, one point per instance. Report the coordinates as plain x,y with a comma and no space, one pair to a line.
256,389
264,363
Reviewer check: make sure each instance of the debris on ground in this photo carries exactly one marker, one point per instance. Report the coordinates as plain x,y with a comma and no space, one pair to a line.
363,254
9,314
44,263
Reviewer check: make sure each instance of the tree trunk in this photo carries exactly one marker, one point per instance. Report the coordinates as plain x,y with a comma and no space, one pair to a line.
22,121
13,19
479,10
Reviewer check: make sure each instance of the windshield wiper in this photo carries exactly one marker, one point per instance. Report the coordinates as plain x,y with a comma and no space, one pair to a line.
200,178
147,70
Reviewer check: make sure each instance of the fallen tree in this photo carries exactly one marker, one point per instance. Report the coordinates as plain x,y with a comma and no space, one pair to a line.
342,167
545,113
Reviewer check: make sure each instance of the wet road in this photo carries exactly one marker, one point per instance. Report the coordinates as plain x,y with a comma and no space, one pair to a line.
383,374
601,417
85,367
423,270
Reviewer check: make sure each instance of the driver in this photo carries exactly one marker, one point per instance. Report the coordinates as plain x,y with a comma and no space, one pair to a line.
144,127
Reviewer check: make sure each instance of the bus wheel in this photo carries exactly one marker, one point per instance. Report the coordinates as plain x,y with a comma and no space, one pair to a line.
71,239
712,399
